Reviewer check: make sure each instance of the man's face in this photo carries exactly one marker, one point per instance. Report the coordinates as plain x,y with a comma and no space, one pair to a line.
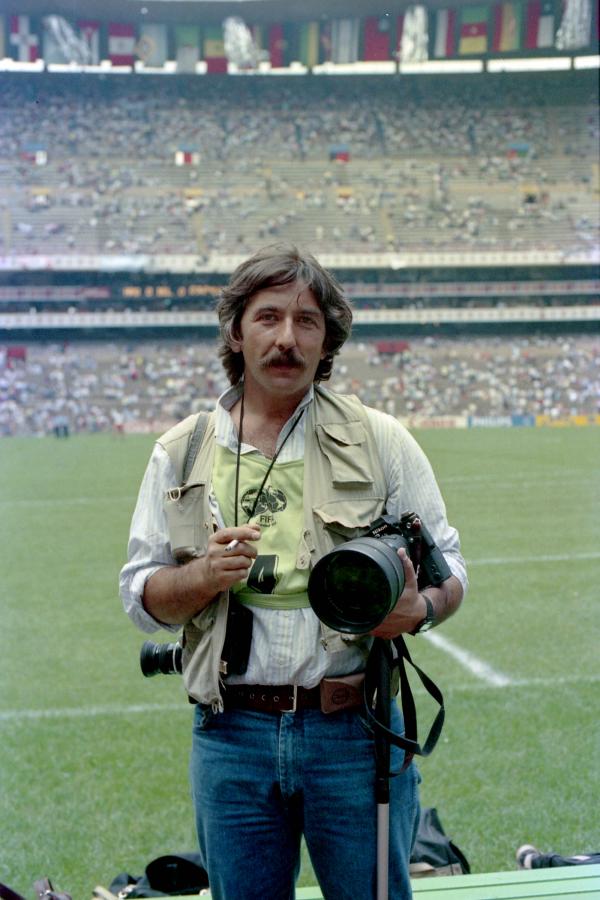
281,337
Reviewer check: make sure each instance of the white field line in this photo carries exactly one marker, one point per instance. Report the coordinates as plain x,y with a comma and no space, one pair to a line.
35,502
542,558
91,712
469,661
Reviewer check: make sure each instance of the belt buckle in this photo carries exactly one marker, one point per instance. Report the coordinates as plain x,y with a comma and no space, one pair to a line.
294,700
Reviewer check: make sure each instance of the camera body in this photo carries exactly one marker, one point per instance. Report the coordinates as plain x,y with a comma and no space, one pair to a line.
410,532
355,586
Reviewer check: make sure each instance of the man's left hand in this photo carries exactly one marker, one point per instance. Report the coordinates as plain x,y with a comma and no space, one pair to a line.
410,608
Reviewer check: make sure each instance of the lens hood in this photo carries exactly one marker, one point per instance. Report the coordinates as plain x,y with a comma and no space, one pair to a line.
355,586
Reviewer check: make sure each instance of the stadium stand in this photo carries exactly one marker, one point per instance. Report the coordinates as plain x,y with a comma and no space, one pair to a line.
148,386
440,164
502,162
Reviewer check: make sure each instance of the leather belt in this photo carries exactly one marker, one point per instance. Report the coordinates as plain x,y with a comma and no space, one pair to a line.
331,695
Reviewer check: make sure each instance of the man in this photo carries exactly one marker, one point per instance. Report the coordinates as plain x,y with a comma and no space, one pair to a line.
284,471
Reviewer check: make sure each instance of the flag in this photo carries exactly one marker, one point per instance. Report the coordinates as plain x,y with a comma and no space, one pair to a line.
151,47
276,46
121,44
399,33
539,29
344,40
309,44
325,42
473,30
259,36
187,156
90,32
285,44
53,51
444,34
575,29
376,38
214,50
21,37
35,153
187,47
507,27
339,153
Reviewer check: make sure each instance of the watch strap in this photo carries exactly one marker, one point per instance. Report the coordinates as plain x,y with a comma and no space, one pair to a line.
429,620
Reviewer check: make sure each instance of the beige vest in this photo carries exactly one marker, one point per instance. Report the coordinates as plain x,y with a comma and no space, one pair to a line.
344,491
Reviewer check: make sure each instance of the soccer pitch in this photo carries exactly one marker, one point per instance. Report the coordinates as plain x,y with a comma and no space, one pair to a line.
93,757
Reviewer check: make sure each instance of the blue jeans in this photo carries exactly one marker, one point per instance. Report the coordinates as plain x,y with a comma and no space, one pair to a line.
261,781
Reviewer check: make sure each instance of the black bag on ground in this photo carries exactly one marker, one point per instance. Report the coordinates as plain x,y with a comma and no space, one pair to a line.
43,888
433,852
174,874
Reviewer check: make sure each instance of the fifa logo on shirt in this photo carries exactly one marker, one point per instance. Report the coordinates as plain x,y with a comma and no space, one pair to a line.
271,500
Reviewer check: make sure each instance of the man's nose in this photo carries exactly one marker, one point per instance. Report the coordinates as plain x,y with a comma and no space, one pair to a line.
286,335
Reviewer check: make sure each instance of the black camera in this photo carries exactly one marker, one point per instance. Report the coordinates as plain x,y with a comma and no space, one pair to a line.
167,659
160,659
357,584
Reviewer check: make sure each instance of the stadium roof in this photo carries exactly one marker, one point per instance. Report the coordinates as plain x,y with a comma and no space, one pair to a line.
254,11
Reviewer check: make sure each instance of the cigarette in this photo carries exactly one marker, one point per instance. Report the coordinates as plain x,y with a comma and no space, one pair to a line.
231,545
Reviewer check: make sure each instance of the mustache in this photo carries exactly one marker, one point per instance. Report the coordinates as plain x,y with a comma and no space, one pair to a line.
289,358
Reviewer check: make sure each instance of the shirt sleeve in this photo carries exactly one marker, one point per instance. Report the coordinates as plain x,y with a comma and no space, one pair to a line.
149,548
412,486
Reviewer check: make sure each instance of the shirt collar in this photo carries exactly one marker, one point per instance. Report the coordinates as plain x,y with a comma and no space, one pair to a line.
225,431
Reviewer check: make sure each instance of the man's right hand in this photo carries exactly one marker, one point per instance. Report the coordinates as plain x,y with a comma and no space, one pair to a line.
175,594
229,556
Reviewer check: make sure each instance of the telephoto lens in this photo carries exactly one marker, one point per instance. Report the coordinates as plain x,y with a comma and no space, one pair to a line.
354,587
160,659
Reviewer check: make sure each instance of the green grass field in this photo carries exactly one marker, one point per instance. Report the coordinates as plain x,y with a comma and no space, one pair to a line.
93,757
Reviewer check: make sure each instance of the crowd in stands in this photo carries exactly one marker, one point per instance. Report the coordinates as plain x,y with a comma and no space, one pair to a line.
473,163
148,386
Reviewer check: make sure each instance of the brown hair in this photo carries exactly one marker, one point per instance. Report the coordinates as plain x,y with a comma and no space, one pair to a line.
272,266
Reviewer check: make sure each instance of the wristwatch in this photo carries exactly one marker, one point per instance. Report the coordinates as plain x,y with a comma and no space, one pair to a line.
429,620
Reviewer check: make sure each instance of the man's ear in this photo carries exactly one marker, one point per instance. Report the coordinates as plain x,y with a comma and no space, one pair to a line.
235,339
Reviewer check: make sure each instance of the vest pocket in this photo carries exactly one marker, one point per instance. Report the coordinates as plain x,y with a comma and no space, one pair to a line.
345,446
183,508
347,519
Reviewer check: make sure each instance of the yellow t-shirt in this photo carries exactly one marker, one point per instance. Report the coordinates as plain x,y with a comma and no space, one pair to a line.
274,581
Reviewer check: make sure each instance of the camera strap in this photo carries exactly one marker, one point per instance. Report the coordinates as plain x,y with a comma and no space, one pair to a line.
380,664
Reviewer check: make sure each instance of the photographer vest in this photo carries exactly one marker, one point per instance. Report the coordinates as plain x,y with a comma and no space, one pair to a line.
344,491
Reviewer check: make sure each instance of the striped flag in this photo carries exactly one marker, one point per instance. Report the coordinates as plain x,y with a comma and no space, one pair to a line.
344,40
26,43
187,47
213,51
35,153
187,155
90,32
325,42
276,46
473,30
507,27
121,44
309,44
539,29
376,38
444,34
